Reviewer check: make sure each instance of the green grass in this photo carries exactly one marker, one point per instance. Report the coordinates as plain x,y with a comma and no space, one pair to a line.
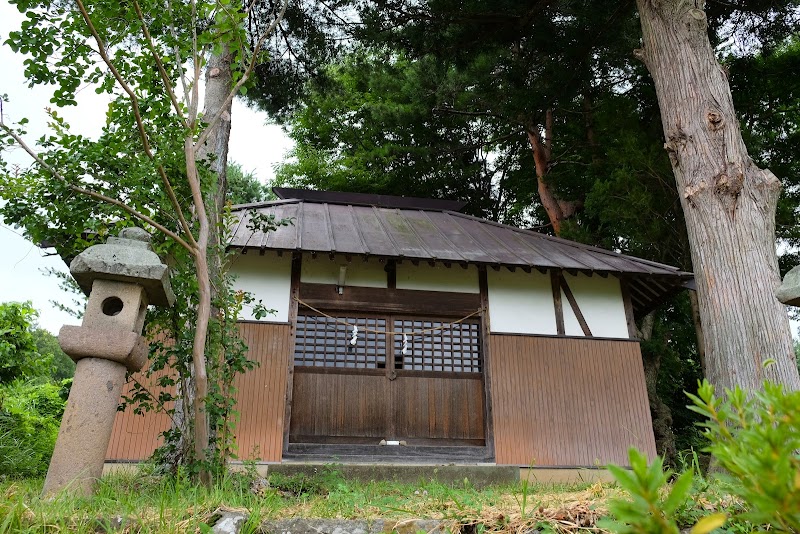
137,502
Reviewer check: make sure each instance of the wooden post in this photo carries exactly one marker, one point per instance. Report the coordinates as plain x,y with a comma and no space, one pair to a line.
483,284
626,300
297,262
391,274
555,282
574,305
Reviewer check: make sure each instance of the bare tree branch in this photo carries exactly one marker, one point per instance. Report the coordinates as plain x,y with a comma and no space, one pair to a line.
178,60
196,72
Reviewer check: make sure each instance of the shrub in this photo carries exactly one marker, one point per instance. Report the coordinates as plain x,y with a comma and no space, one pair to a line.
755,440
30,413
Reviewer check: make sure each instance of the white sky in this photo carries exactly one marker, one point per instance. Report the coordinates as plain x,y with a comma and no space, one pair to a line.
256,145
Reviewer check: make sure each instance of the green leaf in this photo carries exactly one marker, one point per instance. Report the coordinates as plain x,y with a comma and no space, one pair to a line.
709,523
680,490
624,478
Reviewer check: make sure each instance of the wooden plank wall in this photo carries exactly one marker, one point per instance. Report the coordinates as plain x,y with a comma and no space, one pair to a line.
135,437
339,405
362,405
438,408
568,401
260,400
262,392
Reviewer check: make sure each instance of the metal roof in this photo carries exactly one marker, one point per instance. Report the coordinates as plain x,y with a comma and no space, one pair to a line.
441,235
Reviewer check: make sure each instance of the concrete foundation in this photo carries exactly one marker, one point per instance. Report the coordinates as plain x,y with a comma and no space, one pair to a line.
478,475
548,476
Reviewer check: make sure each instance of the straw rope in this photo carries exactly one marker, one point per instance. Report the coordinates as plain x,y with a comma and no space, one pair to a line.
443,326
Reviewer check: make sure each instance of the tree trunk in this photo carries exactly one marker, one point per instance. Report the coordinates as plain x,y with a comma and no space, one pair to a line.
659,410
728,202
557,210
698,330
201,433
193,390
219,83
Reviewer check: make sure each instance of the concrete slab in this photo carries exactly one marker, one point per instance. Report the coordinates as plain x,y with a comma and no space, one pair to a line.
479,476
442,473
544,475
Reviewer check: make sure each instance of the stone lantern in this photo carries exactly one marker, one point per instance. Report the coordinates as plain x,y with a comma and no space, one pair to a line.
789,291
121,277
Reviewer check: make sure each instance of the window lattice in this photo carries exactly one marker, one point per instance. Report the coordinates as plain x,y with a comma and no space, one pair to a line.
455,348
323,342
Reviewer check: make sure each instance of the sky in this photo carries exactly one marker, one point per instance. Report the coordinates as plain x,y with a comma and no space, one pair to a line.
255,144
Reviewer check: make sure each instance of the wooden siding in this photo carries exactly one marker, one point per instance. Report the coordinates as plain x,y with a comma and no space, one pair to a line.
135,437
339,405
260,400
331,405
262,392
447,408
568,401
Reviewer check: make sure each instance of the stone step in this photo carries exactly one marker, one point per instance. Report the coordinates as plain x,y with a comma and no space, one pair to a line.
476,475
360,453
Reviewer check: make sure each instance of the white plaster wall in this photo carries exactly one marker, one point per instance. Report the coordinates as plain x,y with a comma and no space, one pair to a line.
323,270
520,302
425,277
268,278
600,302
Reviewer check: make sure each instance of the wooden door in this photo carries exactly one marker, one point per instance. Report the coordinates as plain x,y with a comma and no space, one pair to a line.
426,389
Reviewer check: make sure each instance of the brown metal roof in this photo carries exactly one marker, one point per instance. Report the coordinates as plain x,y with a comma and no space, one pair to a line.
329,227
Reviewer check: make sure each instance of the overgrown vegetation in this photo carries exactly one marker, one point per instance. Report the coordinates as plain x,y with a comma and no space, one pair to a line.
35,376
755,441
145,503
30,413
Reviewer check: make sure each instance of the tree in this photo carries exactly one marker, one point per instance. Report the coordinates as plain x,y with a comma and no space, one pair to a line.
535,68
368,125
244,187
549,60
61,366
728,202
155,162
766,97
19,355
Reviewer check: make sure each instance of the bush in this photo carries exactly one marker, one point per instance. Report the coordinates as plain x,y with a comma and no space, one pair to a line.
755,440
30,413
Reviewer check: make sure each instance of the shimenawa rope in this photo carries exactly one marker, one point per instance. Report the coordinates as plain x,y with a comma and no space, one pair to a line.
443,326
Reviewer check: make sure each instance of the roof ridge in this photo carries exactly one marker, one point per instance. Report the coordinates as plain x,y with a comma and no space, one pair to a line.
264,204
368,199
